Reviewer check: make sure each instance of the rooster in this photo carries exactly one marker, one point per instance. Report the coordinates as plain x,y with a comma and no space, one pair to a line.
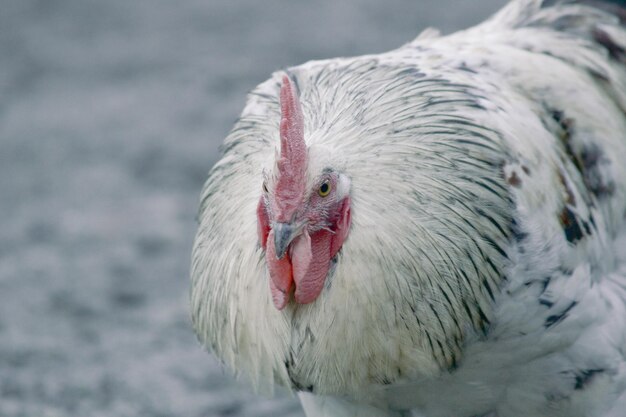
437,231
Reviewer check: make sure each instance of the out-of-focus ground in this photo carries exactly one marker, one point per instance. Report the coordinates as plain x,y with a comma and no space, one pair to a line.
111,114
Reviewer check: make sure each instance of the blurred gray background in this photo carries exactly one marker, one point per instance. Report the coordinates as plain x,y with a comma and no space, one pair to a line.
111,114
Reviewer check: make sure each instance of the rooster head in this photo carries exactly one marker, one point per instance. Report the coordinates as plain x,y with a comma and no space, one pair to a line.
303,217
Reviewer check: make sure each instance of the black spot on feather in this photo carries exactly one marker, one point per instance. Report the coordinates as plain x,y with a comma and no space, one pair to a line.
497,247
616,51
567,130
493,221
557,318
484,322
571,228
545,302
489,290
583,378
592,158
453,363
518,235
430,343
587,160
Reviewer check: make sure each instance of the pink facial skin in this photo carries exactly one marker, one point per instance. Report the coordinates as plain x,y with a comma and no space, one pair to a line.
307,261
307,226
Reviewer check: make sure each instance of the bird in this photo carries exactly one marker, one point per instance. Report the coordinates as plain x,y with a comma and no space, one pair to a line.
435,231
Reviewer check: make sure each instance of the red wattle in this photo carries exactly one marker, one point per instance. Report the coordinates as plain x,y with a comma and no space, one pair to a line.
311,262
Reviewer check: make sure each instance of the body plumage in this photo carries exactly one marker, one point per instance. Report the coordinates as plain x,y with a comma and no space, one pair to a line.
484,270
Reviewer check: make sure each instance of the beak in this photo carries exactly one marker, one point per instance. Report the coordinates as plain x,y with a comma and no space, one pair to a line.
284,234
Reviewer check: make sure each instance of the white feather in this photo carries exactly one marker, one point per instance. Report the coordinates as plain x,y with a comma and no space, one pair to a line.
485,269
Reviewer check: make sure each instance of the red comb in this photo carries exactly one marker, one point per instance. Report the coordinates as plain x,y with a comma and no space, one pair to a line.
293,154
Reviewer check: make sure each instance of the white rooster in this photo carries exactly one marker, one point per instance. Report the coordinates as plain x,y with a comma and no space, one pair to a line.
434,231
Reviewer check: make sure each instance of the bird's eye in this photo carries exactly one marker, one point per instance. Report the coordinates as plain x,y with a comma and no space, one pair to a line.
324,189
264,186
